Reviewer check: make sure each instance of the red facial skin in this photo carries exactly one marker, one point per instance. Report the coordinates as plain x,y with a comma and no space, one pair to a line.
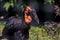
27,18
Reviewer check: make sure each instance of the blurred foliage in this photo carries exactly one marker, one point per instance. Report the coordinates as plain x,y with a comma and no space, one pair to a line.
0,0
1,28
7,5
35,33
12,2
49,1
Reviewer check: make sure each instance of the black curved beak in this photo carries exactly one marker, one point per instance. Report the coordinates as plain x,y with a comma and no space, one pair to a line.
34,16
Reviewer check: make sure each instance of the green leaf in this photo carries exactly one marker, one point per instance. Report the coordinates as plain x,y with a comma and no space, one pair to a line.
7,5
